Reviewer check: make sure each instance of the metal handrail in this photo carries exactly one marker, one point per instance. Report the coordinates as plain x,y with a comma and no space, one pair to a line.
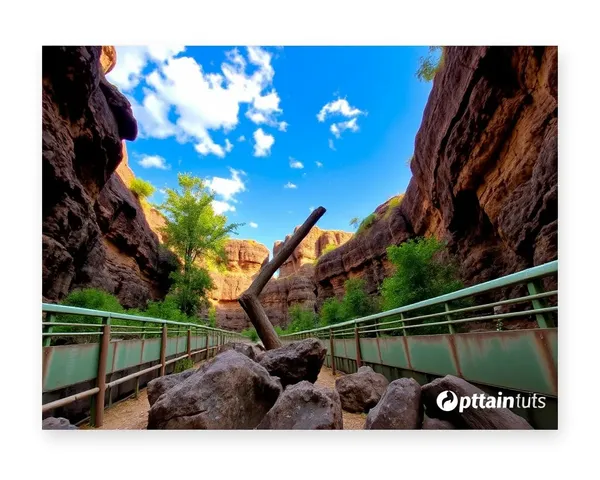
525,276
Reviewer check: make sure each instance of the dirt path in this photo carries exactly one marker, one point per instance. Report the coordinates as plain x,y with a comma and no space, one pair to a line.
132,414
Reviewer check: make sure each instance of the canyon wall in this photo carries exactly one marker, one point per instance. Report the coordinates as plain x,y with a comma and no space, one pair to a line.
94,231
485,173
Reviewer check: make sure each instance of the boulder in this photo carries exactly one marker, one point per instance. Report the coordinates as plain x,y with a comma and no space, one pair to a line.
474,418
436,424
305,406
247,349
360,391
296,361
399,409
160,385
52,423
228,392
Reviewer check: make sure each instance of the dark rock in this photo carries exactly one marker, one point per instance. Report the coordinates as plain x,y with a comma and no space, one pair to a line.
251,351
399,408
360,391
305,406
160,385
296,361
228,392
474,418
52,423
436,424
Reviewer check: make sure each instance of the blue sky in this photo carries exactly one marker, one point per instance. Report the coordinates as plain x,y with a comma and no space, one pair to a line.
276,131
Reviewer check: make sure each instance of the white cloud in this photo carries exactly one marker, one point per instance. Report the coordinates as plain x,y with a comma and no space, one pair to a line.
153,161
227,188
241,138
263,143
318,164
131,62
290,185
228,145
331,145
181,99
338,128
338,107
295,163
283,126
253,225
221,207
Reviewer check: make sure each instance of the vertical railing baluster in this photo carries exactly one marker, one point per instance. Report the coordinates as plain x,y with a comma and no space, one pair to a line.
403,324
448,317
189,342
357,342
97,411
163,350
50,317
543,320
331,353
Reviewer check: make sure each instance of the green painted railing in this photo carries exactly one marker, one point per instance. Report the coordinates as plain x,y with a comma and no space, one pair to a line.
112,343
475,333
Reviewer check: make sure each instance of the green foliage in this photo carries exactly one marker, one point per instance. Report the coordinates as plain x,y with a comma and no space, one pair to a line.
330,247
422,272
366,223
301,318
183,365
141,188
331,312
431,64
212,317
278,330
251,333
393,204
193,231
354,222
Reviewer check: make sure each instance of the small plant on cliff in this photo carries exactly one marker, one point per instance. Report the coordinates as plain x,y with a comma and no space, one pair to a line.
423,271
393,204
330,247
193,231
355,222
366,223
142,189
431,64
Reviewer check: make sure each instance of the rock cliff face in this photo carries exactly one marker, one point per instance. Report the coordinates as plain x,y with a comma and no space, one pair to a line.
484,171
94,232
311,248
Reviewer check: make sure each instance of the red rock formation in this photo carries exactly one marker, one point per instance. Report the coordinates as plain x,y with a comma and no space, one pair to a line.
484,171
94,232
311,248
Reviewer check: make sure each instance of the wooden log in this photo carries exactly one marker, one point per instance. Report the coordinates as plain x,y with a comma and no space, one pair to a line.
249,299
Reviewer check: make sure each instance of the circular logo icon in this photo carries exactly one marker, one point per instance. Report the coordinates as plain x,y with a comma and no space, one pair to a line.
447,400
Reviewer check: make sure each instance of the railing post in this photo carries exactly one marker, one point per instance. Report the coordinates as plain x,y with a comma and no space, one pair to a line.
357,341
207,343
403,324
189,342
543,320
450,326
163,350
97,411
51,317
331,354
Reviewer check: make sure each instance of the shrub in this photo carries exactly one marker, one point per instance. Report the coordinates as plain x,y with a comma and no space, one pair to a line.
356,303
393,204
330,247
301,318
354,222
183,365
251,333
212,317
142,189
331,312
422,272
431,64
366,223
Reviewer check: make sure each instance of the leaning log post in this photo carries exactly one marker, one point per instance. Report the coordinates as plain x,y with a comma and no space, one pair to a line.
249,299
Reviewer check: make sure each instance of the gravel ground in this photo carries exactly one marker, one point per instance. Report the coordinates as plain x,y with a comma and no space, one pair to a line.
132,414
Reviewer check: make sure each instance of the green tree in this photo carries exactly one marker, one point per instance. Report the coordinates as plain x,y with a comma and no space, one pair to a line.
194,232
331,312
356,303
301,319
422,272
354,222
141,188
431,64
